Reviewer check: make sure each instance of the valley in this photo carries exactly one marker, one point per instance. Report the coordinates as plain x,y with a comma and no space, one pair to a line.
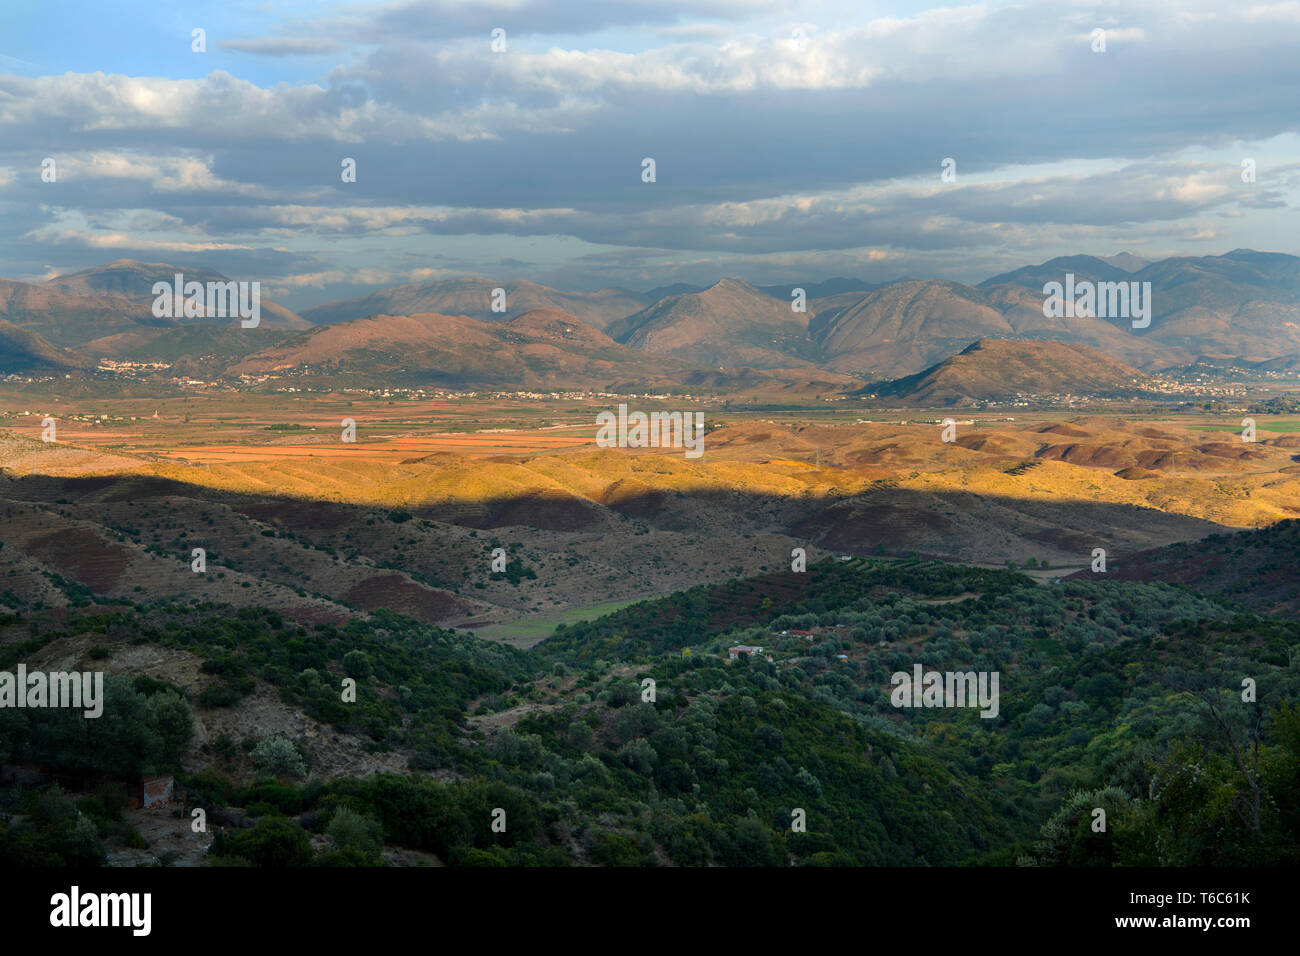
217,471
341,505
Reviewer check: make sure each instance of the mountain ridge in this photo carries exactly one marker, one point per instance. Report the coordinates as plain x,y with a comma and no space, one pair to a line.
1004,369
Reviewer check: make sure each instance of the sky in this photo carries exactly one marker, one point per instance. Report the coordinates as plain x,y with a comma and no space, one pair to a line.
792,141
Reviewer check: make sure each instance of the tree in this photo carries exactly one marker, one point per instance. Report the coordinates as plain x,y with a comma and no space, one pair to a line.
174,726
357,664
120,741
1069,837
275,841
278,757
580,735
1245,756
750,843
639,755
621,693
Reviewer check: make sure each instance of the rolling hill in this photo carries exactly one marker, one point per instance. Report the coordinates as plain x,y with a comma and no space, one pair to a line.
107,311
541,349
1001,370
1257,568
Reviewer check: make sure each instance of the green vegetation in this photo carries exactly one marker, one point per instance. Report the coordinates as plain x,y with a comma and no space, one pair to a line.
1121,696
1284,427
1281,405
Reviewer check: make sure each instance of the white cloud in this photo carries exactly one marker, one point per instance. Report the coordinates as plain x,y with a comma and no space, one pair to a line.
120,240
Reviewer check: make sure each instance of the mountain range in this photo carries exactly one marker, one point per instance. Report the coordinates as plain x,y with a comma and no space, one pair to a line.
543,349
1239,309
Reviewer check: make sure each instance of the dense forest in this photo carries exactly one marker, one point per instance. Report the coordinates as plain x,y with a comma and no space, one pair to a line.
637,740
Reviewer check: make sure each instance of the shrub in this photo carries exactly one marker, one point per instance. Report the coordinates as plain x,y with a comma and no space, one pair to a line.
274,797
275,841
78,843
349,829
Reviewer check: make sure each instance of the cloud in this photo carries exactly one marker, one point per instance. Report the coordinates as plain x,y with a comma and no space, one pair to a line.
477,18
784,134
284,46
1288,11
117,240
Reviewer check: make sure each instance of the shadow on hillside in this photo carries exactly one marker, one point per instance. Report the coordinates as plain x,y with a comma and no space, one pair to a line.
963,526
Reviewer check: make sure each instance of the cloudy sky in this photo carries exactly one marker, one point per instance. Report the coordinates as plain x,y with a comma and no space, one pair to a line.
792,141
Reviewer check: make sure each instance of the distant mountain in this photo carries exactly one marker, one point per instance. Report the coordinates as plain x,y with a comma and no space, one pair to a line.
1002,370
71,319
820,290
472,296
1242,307
1126,261
24,351
904,327
1090,268
730,323
1237,310
664,291
1234,366
203,351
1243,304
543,349
134,281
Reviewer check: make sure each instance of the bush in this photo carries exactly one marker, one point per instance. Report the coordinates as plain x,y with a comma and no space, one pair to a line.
349,829
616,849
219,695
620,694
104,805
276,798
275,841
78,843
225,748
209,785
